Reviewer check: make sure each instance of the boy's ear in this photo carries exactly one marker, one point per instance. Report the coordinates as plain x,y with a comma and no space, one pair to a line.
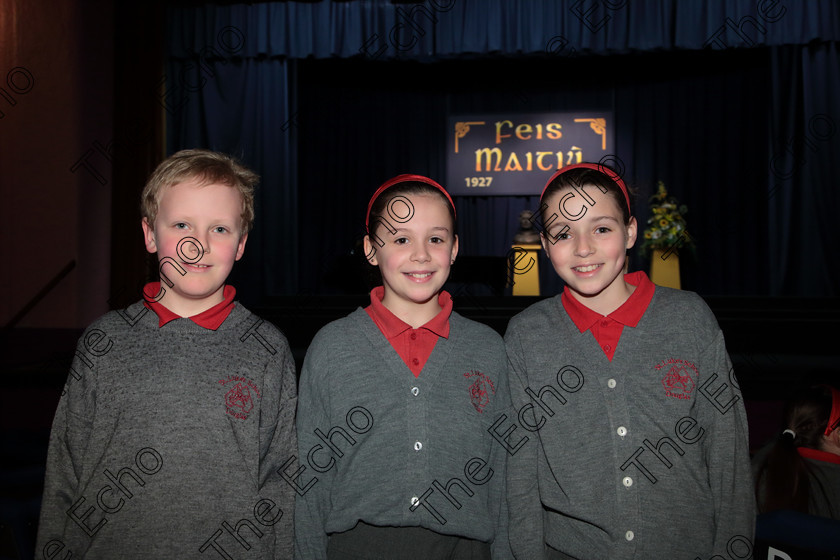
240,250
632,231
149,236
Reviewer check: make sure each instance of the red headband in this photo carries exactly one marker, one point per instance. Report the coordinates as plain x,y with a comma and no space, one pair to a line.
404,179
834,419
615,177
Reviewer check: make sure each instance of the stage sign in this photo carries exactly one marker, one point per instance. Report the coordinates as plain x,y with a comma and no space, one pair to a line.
515,154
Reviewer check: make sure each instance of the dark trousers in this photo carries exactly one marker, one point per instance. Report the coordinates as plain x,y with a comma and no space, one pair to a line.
367,542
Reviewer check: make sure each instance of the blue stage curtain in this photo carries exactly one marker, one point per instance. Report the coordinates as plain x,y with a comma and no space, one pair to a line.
453,28
711,134
803,184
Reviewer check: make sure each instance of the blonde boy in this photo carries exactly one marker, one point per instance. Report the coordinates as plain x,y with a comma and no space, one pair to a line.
179,409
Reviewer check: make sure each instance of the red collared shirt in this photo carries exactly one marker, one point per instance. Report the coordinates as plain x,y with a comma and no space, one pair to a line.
607,329
210,319
414,346
818,455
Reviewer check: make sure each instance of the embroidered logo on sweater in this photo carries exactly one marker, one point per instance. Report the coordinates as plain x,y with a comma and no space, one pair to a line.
481,389
679,381
239,400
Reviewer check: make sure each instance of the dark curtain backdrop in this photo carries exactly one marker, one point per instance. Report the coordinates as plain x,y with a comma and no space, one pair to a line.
436,29
745,137
804,179
673,124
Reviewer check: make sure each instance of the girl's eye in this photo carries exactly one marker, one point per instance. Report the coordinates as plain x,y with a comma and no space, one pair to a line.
400,240
561,235
220,229
180,225
436,240
602,229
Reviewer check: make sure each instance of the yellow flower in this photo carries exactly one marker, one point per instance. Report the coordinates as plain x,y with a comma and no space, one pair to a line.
647,235
663,223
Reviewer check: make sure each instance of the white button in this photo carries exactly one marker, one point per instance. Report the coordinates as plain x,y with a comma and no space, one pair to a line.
622,431
418,446
415,391
629,535
415,500
628,482
611,383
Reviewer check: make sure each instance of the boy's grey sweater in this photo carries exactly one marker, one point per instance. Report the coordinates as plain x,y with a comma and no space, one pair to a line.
167,440
358,394
645,456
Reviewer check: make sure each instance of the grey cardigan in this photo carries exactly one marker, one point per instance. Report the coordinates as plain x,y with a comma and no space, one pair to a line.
381,446
644,456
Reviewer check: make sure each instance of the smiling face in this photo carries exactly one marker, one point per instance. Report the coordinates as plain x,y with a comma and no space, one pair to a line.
415,260
210,215
589,252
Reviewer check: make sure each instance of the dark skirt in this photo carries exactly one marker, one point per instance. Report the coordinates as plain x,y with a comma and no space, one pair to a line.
368,542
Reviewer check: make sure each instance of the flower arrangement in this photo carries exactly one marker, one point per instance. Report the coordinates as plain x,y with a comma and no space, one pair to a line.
666,228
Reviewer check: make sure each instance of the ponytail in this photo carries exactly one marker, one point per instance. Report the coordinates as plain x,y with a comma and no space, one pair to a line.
783,479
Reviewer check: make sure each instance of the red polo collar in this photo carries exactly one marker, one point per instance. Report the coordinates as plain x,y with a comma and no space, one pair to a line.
607,329
210,319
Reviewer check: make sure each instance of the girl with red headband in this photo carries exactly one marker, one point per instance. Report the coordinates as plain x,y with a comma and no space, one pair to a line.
396,401
638,436
801,470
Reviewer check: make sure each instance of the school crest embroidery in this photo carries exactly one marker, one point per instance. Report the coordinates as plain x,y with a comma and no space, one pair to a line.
481,389
679,381
239,399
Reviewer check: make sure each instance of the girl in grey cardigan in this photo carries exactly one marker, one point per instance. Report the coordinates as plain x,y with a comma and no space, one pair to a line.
635,437
395,403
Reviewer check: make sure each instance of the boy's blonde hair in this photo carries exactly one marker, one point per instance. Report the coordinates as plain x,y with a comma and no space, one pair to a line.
207,167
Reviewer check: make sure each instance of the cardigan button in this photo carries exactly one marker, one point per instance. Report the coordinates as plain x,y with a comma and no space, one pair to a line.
418,446
415,391
622,431
415,500
629,535
611,383
627,481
